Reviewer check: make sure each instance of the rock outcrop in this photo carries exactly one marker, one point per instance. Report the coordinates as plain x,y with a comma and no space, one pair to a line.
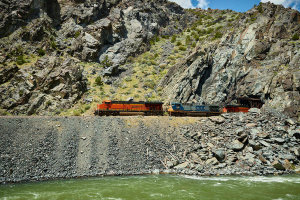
257,59
91,31
51,84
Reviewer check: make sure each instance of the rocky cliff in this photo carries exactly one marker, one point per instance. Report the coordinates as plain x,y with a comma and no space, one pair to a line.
255,57
56,57
34,32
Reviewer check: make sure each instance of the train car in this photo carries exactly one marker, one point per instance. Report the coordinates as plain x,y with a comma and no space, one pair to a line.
235,108
179,109
109,107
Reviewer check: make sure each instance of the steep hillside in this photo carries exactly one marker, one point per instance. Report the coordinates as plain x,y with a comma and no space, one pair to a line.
62,57
257,56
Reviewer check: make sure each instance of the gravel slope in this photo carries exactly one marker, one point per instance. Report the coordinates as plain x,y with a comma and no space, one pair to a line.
39,148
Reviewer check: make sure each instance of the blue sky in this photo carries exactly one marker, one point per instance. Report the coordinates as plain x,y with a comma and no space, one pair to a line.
237,5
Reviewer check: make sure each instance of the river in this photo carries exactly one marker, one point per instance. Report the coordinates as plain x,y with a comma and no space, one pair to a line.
158,187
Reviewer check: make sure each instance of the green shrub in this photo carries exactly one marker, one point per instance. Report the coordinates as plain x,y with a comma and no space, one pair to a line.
4,112
209,31
149,84
99,81
178,43
153,62
20,60
229,24
53,45
253,19
41,52
18,51
128,78
173,39
152,42
218,28
194,44
76,112
77,34
87,107
188,30
187,40
217,35
182,48
106,62
48,103
154,39
260,9
295,36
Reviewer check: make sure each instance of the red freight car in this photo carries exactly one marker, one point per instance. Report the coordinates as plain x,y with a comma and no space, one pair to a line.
109,107
235,108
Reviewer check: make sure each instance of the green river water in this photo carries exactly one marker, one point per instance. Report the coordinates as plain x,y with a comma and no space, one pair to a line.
158,187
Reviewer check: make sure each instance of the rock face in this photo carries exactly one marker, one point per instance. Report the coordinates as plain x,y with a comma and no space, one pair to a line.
65,147
14,13
92,31
256,59
52,83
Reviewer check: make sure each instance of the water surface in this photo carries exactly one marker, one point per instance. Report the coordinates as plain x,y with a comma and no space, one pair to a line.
158,187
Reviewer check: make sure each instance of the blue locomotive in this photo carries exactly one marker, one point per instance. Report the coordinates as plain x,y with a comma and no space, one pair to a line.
180,109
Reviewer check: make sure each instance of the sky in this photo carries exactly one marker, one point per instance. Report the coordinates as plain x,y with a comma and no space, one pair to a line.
236,5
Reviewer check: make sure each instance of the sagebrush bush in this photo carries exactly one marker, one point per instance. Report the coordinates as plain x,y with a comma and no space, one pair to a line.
187,40
106,62
77,34
127,79
99,81
217,35
87,107
173,39
20,60
295,36
149,84
194,44
41,52
76,112
260,9
182,48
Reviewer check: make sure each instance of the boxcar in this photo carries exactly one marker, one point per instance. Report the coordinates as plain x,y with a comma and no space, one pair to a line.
109,107
179,109
235,108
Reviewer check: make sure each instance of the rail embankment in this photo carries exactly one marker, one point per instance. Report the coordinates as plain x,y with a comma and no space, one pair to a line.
41,148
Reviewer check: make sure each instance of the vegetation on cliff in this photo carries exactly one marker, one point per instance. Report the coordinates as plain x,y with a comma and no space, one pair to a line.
148,51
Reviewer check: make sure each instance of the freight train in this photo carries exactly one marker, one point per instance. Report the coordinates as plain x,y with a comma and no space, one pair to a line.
115,108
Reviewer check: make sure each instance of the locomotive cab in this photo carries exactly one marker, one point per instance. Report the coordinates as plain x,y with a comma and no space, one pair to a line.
174,106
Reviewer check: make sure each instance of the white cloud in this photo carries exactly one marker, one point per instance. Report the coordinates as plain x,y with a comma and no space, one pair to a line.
202,4
188,3
285,3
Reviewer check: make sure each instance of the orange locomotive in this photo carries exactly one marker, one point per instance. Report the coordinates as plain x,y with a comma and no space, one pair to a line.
109,107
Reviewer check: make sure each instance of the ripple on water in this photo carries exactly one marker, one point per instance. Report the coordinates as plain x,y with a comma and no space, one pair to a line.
265,179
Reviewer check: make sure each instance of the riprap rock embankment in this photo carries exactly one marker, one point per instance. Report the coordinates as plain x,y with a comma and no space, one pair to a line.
40,148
